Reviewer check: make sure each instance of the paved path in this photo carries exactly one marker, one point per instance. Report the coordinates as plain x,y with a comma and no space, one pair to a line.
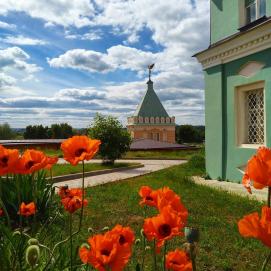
149,166
234,188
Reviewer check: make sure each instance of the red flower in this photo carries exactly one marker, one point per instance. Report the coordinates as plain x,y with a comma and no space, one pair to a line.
178,260
125,235
149,196
1,212
254,226
79,148
51,161
71,204
167,197
8,160
258,170
27,209
164,226
106,252
31,161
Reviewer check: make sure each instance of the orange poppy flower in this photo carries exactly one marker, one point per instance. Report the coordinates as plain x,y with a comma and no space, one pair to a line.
178,260
71,204
258,170
8,160
65,192
125,235
51,161
167,197
149,196
106,253
163,227
31,161
79,148
254,226
1,212
27,209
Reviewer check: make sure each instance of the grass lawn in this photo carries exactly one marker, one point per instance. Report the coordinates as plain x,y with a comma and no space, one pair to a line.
65,169
215,213
175,154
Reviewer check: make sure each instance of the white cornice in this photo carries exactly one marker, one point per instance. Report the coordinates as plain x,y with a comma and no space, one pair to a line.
253,41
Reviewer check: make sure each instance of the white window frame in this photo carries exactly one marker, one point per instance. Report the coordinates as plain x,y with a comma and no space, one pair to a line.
240,114
243,12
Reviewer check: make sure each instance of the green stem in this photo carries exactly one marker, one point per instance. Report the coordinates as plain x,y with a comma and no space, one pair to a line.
266,261
154,255
192,257
164,256
144,253
18,180
71,238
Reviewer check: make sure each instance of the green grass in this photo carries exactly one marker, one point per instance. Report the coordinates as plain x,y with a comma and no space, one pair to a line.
175,154
214,212
65,169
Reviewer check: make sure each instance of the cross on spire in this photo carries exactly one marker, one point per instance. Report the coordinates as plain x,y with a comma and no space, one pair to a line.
150,67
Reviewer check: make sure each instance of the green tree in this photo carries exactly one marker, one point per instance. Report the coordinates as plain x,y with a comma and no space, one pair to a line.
62,130
115,139
36,132
6,132
190,134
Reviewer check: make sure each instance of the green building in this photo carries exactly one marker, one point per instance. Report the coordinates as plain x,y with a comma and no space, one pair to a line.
237,72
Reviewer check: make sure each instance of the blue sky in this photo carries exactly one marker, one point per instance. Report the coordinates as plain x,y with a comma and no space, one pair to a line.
65,60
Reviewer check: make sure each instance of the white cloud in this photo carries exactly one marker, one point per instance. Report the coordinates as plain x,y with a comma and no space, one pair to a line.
81,59
22,40
4,25
93,35
6,80
61,12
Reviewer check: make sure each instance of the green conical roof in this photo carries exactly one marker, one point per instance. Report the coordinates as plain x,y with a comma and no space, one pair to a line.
150,105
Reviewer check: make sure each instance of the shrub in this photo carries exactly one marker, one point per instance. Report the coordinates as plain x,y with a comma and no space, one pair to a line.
115,139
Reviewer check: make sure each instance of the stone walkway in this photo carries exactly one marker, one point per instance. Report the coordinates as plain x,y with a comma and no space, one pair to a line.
149,166
234,188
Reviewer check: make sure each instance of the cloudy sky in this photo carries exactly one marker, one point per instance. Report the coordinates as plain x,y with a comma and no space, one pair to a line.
65,60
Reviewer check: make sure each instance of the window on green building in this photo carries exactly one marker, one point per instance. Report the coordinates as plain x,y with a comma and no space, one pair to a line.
255,9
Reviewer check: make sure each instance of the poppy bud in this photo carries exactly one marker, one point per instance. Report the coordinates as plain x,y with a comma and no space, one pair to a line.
191,234
147,248
16,233
90,230
32,255
137,241
33,241
105,228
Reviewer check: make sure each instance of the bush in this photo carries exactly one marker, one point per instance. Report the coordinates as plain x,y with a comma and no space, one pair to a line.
197,161
6,132
190,134
115,139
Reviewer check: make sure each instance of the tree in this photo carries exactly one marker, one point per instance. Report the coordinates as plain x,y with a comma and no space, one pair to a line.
115,140
62,130
6,132
36,132
190,134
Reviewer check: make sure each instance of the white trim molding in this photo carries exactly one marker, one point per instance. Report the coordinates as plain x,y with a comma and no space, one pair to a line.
255,40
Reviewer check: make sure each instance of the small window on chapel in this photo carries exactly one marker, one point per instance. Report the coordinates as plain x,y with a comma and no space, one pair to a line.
254,10
250,115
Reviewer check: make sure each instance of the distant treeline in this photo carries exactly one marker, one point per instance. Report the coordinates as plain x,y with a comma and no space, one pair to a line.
58,131
190,134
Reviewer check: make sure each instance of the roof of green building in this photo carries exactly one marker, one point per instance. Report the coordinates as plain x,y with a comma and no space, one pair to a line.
150,105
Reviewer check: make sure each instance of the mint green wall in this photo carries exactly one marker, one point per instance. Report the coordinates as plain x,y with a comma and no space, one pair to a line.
222,153
224,18
213,121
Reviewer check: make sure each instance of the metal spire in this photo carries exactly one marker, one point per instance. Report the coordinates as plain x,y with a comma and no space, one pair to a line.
150,67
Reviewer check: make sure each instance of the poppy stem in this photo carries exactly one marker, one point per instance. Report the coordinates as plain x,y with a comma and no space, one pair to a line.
269,197
154,255
266,261
83,196
192,256
144,253
164,256
71,238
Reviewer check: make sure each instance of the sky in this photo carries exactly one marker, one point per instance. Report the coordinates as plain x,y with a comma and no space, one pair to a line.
66,60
